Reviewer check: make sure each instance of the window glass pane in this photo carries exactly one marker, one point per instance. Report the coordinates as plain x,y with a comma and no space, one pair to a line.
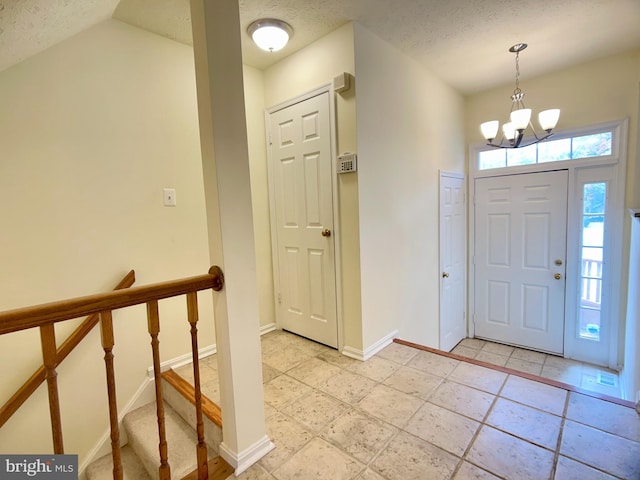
521,156
596,145
492,159
554,150
591,256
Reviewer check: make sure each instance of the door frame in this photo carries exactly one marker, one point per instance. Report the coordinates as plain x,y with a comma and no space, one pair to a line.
462,177
325,88
618,161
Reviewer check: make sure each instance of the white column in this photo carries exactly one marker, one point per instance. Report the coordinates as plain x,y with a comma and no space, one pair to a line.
225,160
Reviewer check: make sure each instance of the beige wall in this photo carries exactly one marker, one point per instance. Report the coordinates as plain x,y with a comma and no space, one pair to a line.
409,125
303,71
92,130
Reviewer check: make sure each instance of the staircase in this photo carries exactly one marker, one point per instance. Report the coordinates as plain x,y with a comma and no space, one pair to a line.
140,457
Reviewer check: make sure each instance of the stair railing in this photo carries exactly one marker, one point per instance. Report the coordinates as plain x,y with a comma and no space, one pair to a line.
47,315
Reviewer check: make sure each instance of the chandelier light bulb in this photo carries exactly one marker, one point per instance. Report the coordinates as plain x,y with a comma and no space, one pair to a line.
509,131
490,129
520,118
548,119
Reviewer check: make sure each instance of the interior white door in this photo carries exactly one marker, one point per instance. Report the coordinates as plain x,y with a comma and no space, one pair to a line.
520,251
453,325
300,156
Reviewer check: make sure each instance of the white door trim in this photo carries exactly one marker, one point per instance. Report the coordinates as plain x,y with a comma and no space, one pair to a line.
325,88
617,159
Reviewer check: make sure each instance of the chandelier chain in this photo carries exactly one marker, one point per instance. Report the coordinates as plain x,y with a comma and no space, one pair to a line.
517,90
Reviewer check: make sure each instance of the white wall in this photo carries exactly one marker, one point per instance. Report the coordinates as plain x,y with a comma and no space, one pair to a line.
92,130
409,127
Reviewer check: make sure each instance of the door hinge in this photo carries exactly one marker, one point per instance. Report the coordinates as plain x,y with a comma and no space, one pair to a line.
270,140
279,299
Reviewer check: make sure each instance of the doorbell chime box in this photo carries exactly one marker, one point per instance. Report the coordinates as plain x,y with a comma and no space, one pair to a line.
347,162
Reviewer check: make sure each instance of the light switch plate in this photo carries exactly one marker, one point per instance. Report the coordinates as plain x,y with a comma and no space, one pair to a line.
169,197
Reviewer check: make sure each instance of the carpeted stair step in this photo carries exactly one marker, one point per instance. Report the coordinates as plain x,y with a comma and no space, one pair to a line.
142,430
132,467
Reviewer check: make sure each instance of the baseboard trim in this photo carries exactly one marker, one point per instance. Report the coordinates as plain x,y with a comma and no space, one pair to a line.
268,328
183,359
243,460
364,355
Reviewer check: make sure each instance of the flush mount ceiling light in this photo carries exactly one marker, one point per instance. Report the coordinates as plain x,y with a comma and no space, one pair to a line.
513,132
270,34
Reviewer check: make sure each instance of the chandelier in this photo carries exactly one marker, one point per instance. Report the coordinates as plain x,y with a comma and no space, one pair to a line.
513,132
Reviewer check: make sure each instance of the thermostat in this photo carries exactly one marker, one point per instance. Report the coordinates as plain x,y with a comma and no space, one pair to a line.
347,162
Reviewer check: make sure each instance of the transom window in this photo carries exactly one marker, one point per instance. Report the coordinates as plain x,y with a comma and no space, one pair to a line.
569,148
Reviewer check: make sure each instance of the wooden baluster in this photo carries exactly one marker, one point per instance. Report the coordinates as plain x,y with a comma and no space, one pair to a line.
107,338
153,322
50,361
192,311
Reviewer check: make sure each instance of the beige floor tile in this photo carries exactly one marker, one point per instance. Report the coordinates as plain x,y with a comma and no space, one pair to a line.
319,460
478,377
509,457
269,410
612,418
314,371
390,405
525,422
465,351
285,358
473,343
524,366
571,374
255,472
568,469
288,436
369,474
414,382
528,355
269,373
535,394
283,390
347,386
492,358
471,472
498,349
359,435
410,458
398,353
315,410
433,364
443,428
560,362
462,399
615,455
377,369
336,358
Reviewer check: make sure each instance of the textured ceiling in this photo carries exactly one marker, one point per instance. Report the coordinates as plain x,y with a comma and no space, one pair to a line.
464,42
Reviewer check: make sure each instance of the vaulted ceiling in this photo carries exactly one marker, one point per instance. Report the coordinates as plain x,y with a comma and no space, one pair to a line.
464,42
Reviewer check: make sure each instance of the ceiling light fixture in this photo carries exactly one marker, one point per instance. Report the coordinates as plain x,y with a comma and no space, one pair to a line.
270,34
513,132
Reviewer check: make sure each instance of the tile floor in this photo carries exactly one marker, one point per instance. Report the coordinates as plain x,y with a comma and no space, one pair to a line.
579,374
408,414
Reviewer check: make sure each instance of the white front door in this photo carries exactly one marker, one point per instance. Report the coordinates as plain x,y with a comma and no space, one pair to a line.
453,325
300,157
520,256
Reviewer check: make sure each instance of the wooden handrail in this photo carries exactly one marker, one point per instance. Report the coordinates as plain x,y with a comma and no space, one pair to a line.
31,385
47,315
31,317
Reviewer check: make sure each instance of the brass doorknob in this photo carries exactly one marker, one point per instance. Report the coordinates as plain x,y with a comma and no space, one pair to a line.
445,275
326,232
557,276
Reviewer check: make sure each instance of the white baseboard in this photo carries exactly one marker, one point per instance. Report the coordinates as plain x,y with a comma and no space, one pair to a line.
183,359
268,328
243,460
364,355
